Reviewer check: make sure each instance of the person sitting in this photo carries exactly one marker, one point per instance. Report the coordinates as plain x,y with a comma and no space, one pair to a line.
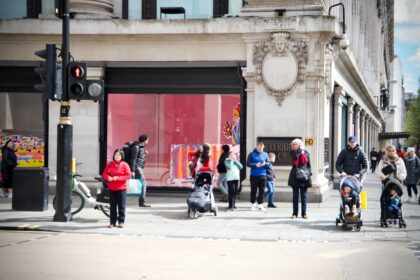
395,200
350,200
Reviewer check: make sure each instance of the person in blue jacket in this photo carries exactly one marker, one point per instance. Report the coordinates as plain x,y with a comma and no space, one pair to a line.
257,161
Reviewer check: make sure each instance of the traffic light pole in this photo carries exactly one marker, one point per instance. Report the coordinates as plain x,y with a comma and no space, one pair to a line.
64,131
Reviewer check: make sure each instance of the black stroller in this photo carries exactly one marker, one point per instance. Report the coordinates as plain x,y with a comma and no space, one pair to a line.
387,217
201,199
351,219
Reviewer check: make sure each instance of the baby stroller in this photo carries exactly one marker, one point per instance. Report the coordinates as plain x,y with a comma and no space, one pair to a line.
386,217
201,199
351,219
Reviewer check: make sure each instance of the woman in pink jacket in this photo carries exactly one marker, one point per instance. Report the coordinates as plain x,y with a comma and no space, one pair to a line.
116,173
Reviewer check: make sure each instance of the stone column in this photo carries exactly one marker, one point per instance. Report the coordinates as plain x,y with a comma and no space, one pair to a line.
362,129
366,135
357,121
350,125
338,110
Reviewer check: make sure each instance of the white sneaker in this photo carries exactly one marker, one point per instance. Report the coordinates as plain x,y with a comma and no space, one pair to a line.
10,195
261,207
408,199
254,207
2,194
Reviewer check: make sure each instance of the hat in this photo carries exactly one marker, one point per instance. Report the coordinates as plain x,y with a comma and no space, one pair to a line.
352,138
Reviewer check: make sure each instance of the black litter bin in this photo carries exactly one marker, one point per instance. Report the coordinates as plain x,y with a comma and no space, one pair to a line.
30,189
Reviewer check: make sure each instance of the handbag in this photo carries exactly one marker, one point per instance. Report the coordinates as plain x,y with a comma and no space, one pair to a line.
134,187
302,174
388,169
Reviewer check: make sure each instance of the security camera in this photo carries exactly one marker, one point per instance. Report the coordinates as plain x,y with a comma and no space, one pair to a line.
344,42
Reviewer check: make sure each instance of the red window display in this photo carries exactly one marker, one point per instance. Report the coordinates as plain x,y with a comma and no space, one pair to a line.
176,125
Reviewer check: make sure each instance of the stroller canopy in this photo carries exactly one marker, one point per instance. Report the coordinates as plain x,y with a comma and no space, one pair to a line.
393,184
352,182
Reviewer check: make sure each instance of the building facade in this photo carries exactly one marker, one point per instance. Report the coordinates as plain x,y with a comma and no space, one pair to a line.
222,72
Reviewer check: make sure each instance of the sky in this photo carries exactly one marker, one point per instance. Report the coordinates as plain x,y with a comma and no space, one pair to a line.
407,40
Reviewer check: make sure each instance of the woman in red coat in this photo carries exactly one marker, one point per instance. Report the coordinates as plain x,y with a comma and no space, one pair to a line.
116,173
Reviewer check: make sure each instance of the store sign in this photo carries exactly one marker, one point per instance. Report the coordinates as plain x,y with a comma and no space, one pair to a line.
280,146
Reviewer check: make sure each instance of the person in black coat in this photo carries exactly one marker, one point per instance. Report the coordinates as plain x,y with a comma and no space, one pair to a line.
300,159
138,154
374,158
8,163
352,160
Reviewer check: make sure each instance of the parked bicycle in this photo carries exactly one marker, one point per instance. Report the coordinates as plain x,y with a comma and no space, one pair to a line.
80,195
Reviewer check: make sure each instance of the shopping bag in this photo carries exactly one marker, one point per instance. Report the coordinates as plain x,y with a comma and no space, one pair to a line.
134,187
363,199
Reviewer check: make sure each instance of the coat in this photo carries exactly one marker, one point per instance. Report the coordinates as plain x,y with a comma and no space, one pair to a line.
293,181
233,168
138,156
400,174
8,163
413,170
120,170
352,161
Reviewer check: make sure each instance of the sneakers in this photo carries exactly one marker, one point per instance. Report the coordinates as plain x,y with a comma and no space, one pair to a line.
293,217
144,205
254,207
305,216
271,206
261,207
408,199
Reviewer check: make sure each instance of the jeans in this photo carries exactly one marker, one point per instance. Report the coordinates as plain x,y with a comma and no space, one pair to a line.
222,183
258,183
117,199
139,174
232,189
270,192
411,186
302,191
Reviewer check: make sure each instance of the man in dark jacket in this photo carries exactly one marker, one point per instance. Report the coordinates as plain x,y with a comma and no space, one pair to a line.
373,159
138,154
352,160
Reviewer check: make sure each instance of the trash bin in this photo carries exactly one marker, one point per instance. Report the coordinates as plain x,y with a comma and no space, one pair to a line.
30,189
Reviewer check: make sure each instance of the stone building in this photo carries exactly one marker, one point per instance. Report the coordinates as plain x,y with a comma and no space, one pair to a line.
217,71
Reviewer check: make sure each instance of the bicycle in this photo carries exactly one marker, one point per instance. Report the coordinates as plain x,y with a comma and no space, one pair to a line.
80,194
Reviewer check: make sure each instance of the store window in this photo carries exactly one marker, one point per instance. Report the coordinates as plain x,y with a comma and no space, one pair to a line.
177,124
202,9
13,9
21,120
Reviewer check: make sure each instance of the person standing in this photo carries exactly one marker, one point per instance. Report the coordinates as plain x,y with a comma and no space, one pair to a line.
400,152
138,154
233,168
412,164
257,161
116,173
373,159
300,159
270,181
392,166
352,160
8,163
221,169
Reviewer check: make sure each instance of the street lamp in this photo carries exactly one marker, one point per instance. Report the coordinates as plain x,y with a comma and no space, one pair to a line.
344,42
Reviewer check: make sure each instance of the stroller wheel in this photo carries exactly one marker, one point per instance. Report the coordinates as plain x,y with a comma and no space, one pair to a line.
192,213
344,226
357,227
215,211
395,222
337,221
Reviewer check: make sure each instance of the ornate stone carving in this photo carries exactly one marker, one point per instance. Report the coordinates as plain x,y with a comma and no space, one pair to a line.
287,23
275,54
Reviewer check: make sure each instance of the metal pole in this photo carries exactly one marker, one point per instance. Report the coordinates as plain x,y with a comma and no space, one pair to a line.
344,15
64,133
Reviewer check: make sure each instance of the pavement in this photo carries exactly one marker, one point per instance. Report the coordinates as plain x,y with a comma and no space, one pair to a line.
168,218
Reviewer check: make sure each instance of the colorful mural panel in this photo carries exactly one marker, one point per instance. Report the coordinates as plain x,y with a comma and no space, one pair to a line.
29,149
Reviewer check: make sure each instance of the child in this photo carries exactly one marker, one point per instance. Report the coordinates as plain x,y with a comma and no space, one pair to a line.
350,200
393,208
233,167
270,181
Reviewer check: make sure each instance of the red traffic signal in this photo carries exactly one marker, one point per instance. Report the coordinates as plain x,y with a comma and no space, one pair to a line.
77,71
77,80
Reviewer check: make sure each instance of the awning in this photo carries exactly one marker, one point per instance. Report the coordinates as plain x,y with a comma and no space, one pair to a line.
393,135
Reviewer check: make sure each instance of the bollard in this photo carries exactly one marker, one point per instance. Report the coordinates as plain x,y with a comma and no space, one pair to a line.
363,200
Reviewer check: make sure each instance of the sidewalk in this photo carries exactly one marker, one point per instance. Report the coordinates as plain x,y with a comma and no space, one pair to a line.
168,217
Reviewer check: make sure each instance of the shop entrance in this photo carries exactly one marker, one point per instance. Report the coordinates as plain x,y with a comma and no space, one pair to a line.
177,119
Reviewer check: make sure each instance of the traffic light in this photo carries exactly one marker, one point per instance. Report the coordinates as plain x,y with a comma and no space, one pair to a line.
50,73
77,80
95,90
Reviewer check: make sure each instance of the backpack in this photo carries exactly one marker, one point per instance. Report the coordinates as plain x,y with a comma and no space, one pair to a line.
126,151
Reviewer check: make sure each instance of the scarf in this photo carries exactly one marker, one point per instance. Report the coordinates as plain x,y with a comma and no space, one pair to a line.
303,159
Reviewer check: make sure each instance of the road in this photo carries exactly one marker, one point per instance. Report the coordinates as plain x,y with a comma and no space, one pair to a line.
46,255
